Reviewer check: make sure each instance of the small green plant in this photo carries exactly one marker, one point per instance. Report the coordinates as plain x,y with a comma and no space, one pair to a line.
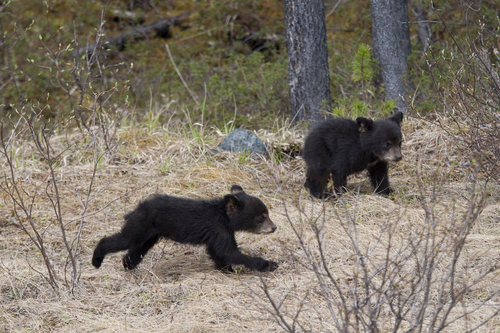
228,126
276,155
387,107
243,157
359,108
362,68
362,65
152,121
339,111
165,166
196,133
352,108
226,129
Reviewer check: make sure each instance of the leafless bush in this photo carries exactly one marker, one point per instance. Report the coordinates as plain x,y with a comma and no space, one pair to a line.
34,150
467,79
33,165
401,276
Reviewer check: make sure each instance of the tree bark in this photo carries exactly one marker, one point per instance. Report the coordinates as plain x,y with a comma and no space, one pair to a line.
391,45
403,28
308,75
424,30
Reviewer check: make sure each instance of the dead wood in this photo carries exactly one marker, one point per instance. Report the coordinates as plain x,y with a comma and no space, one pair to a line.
157,29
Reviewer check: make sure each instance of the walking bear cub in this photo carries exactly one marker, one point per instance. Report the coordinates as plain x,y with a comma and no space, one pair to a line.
209,222
340,147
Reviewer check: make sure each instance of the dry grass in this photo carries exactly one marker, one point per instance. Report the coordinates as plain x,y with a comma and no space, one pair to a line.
176,288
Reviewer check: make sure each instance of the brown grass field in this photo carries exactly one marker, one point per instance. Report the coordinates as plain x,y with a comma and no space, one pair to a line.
176,288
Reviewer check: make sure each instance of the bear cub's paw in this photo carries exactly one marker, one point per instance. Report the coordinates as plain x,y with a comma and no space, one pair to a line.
267,266
271,266
96,262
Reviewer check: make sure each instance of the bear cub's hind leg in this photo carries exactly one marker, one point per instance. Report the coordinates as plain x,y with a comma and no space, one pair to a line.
111,244
135,255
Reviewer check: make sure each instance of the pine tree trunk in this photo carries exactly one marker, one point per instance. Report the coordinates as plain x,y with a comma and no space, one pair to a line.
308,78
391,45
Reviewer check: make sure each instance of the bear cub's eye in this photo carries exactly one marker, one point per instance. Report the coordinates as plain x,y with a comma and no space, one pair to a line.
388,145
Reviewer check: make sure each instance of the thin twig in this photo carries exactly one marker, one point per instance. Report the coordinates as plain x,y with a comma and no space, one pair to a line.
193,95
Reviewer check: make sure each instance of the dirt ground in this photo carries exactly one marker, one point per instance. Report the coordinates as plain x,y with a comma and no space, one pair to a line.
176,288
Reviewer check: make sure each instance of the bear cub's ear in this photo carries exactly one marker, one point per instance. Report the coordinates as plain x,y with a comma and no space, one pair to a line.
233,204
397,118
364,124
236,189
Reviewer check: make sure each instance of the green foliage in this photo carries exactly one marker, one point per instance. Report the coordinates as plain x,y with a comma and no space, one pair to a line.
152,121
227,128
358,108
388,107
362,65
39,72
362,71
246,91
197,133
165,166
244,157
353,108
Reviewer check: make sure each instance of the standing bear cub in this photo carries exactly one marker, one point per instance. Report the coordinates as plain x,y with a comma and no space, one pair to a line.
209,222
340,147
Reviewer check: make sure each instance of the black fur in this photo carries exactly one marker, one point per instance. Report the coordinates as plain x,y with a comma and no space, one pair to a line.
340,147
209,222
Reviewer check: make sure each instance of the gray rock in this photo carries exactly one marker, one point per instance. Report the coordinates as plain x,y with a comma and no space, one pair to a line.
467,164
241,140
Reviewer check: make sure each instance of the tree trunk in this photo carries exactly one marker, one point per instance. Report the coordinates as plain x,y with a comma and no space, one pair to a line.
391,45
424,30
403,28
308,75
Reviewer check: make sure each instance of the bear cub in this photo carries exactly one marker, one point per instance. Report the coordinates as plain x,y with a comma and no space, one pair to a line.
339,147
210,222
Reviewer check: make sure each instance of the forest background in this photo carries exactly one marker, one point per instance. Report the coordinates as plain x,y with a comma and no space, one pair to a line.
212,45
87,135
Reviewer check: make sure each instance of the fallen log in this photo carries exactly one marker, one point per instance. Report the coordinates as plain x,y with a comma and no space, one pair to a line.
159,29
